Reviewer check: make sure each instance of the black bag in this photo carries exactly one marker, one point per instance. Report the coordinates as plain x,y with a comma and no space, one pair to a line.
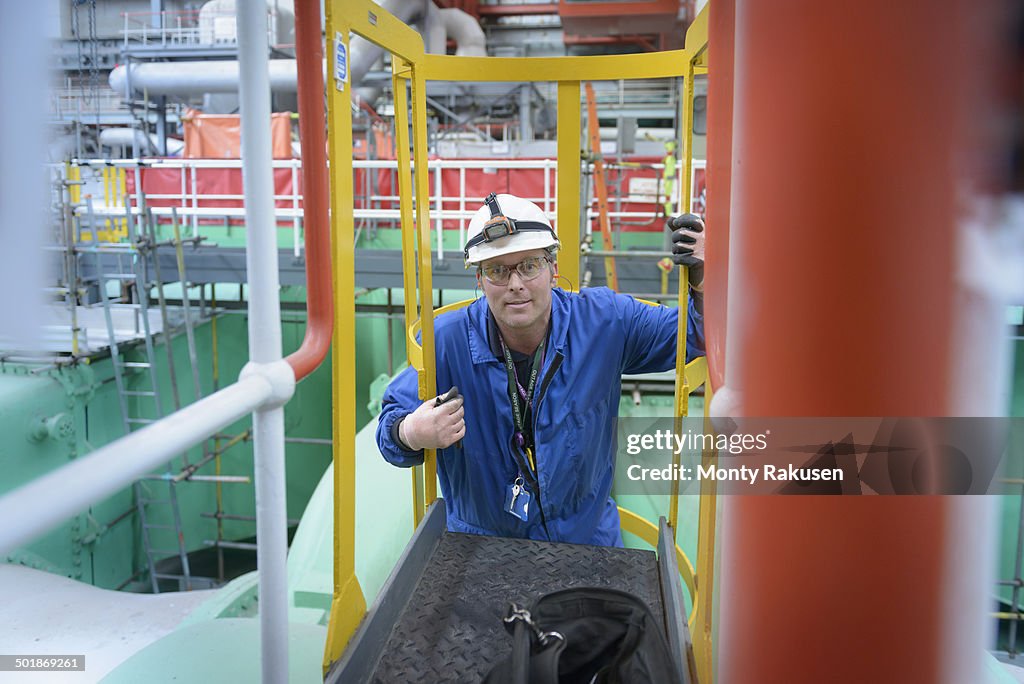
585,635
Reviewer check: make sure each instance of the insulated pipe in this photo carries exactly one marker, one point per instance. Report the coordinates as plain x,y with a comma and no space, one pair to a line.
434,37
124,137
264,338
465,30
189,78
35,508
845,174
315,192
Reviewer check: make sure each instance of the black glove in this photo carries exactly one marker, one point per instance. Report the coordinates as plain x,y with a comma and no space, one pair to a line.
687,239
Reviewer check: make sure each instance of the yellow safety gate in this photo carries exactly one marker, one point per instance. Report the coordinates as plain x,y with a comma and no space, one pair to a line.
411,65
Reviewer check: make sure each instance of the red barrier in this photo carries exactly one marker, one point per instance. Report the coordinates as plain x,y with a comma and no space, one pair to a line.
208,182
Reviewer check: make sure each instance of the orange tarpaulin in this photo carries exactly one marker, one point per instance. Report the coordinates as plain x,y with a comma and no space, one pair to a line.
218,136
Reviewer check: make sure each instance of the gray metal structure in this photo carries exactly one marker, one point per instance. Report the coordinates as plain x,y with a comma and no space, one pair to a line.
382,268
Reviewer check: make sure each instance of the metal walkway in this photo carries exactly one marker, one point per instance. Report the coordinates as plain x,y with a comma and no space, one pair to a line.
439,616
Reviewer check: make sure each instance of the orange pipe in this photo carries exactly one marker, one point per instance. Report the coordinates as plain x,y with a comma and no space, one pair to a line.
849,149
312,135
721,22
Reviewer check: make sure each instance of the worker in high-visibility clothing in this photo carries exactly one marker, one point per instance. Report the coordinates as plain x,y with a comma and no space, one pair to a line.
668,177
527,448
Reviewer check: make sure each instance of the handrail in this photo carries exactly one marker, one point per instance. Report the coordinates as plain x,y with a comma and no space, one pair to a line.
37,506
194,205
697,47
648,531
412,345
312,124
412,68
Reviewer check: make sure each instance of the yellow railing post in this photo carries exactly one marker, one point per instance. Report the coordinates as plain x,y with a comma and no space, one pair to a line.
348,605
701,619
120,190
399,81
568,189
73,173
428,379
363,17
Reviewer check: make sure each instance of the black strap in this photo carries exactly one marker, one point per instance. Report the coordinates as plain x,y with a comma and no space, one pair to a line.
521,646
516,393
492,203
517,227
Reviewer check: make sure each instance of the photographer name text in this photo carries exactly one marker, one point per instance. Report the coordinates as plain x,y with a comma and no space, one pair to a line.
748,474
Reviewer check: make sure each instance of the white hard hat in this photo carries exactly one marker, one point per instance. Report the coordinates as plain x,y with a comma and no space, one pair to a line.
507,224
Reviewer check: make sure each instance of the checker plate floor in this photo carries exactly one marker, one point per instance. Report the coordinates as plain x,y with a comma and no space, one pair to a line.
451,630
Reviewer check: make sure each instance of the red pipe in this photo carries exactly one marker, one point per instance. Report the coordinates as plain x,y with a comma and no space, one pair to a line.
614,9
721,24
616,39
523,9
313,137
852,130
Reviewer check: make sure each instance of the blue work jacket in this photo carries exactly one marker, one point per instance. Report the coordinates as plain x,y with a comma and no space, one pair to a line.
595,337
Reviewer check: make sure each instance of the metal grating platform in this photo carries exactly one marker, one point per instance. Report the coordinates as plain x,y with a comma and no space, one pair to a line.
438,618
451,629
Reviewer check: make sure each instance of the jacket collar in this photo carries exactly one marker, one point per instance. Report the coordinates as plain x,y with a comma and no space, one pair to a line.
478,313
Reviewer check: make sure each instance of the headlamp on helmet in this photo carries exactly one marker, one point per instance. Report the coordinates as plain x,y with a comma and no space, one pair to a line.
499,226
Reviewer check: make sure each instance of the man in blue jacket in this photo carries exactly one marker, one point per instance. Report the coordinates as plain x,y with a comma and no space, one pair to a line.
528,448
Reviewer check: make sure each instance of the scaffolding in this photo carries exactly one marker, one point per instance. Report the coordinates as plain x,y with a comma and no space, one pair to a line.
124,249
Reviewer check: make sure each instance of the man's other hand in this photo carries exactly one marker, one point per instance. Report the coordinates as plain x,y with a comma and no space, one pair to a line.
687,240
433,426
688,245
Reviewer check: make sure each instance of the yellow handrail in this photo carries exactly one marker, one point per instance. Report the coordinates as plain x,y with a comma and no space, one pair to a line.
412,67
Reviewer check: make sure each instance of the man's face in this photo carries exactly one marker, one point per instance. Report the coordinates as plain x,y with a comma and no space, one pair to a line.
520,304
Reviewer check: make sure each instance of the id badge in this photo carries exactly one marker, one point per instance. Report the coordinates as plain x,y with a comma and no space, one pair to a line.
517,499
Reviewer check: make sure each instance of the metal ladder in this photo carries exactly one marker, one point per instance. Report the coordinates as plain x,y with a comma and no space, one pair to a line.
188,472
128,398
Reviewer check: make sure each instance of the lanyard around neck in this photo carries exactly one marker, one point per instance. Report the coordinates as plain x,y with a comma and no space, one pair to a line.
516,390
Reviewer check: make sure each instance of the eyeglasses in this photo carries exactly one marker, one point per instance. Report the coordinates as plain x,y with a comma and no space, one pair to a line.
528,269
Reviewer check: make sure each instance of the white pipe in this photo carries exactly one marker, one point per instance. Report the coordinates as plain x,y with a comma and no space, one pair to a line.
125,137
439,222
988,279
36,507
190,78
434,36
264,338
469,38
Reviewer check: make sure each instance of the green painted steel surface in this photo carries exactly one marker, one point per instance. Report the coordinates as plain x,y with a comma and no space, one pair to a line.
220,647
384,525
652,506
1010,505
26,401
225,650
997,673
79,406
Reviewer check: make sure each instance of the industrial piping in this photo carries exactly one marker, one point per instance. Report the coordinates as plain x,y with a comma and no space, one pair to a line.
315,192
721,19
264,341
854,316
